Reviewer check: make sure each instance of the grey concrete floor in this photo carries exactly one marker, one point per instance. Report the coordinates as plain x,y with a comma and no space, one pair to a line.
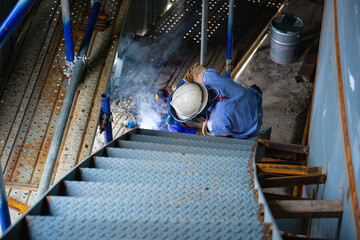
285,102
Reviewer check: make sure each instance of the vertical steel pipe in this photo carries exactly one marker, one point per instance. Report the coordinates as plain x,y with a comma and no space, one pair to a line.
69,47
204,34
105,108
13,19
229,63
65,110
4,207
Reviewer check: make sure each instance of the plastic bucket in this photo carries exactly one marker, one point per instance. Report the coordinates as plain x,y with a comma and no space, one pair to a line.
285,37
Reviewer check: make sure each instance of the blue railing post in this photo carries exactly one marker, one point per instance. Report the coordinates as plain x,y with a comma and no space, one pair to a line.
69,47
66,107
4,207
105,108
229,63
13,19
204,34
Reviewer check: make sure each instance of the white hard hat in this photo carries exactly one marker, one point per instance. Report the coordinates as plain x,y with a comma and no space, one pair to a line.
189,100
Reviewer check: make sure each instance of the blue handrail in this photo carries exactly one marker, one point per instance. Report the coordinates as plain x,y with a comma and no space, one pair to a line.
13,19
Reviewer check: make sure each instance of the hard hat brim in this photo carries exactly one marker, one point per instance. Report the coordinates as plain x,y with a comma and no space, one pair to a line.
180,118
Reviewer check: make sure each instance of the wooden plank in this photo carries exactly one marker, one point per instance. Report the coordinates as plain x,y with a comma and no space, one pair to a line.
272,196
288,169
281,161
291,181
284,146
306,208
16,205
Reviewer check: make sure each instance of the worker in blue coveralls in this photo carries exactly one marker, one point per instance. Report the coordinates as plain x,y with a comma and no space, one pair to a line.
207,103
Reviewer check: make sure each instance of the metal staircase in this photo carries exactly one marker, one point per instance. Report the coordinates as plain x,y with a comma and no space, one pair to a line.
153,185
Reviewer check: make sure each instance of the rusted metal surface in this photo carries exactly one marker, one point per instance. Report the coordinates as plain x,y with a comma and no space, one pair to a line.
306,208
345,128
16,205
287,169
284,146
291,181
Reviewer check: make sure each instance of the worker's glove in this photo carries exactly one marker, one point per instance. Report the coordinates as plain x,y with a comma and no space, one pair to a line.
195,73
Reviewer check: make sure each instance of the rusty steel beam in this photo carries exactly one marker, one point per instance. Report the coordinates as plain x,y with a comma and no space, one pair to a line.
284,146
287,169
17,206
273,196
306,208
291,181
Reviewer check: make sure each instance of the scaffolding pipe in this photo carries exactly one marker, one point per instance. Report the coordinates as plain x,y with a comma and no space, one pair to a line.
105,108
204,27
65,110
229,61
69,47
4,207
13,19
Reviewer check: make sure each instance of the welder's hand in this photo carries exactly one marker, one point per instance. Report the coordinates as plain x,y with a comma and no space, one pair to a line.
195,74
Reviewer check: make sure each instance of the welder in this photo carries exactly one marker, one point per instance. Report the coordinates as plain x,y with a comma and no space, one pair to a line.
209,104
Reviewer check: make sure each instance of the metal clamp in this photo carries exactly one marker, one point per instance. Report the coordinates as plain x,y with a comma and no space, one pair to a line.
104,121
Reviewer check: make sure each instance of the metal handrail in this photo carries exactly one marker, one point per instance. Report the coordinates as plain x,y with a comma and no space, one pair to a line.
13,19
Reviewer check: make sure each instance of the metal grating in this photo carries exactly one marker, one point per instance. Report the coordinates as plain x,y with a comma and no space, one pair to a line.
134,192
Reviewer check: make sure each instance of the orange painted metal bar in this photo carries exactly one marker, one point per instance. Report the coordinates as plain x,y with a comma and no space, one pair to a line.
17,206
284,146
288,169
348,157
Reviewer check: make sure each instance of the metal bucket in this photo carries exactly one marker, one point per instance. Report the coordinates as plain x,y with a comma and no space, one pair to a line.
285,38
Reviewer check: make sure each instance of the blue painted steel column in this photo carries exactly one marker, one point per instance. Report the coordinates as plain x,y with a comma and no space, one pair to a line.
90,28
105,108
204,34
229,64
69,47
4,207
65,110
13,19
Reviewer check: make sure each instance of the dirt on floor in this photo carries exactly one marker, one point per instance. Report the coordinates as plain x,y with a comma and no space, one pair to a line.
285,100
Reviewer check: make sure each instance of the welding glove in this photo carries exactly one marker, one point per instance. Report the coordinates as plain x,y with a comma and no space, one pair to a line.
177,127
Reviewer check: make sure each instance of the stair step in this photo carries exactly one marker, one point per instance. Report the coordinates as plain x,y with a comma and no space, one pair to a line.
158,192
106,175
176,148
242,158
239,146
184,136
145,209
161,166
49,227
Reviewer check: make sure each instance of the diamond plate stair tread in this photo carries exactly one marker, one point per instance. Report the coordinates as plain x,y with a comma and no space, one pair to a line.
243,146
241,159
56,228
177,148
143,209
123,164
156,191
185,136
105,175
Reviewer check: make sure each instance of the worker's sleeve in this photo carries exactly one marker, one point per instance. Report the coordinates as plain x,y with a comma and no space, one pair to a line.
176,127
